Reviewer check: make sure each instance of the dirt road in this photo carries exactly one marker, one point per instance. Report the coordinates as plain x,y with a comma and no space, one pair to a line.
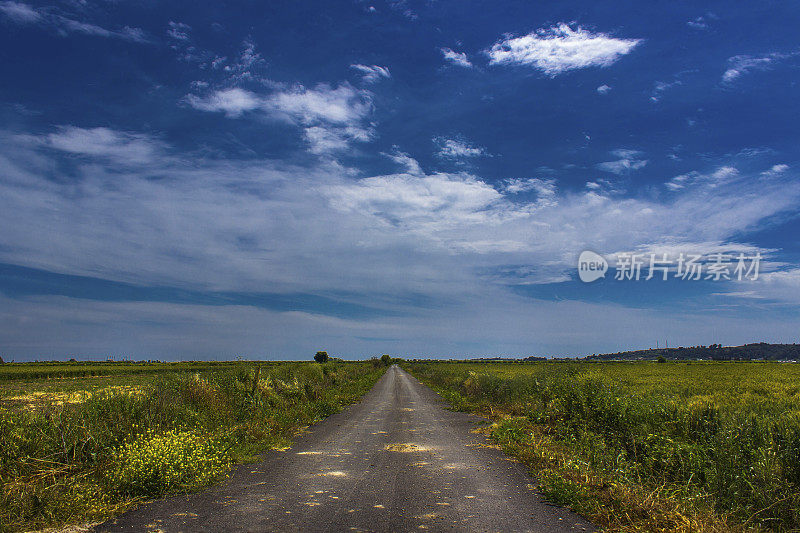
397,461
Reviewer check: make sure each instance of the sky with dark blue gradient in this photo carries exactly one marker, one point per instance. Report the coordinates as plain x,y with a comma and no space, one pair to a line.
263,180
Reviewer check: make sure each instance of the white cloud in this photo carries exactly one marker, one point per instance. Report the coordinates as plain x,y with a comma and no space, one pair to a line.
372,73
245,67
776,169
560,49
323,140
544,188
604,89
702,22
341,105
421,203
19,12
457,148
253,225
456,58
401,6
742,64
330,117
179,31
116,147
779,285
660,87
627,162
22,13
233,102
720,176
410,164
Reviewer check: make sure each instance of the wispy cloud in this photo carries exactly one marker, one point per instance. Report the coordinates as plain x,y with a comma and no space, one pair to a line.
409,164
457,148
660,87
718,177
775,170
560,48
208,224
233,102
545,189
21,13
456,58
116,146
401,6
702,22
743,64
627,162
178,31
604,89
372,73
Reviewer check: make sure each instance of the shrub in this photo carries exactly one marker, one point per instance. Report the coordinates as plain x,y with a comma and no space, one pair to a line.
154,464
321,357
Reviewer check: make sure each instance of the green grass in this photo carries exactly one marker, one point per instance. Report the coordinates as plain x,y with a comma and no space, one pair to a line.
92,445
646,446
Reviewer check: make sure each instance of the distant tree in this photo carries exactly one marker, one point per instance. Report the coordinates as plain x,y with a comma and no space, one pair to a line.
386,359
661,359
321,357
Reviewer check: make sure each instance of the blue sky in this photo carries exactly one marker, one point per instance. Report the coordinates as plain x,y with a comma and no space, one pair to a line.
193,181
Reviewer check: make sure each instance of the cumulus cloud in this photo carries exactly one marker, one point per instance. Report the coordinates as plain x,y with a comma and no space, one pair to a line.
456,58
560,48
330,116
604,89
457,148
627,162
21,13
372,73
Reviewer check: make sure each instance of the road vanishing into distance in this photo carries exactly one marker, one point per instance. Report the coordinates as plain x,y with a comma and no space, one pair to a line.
396,461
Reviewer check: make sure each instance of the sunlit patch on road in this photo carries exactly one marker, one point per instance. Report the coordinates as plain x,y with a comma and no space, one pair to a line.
405,447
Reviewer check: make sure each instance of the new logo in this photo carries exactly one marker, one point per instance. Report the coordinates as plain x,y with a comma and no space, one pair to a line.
591,266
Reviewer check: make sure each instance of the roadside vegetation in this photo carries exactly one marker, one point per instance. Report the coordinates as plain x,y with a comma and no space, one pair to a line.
87,443
645,446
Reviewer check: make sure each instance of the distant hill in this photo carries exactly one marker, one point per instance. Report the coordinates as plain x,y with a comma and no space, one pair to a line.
714,352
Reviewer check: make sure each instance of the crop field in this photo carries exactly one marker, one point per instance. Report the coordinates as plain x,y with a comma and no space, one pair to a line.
645,446
80,442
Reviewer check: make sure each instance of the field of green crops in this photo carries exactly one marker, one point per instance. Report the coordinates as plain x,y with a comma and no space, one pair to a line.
646,446
81,442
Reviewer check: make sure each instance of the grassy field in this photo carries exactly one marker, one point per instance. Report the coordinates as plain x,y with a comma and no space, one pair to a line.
646,446
80,442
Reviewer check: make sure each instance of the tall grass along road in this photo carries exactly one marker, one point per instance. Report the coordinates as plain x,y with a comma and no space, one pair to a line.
81,443
397,461
679,447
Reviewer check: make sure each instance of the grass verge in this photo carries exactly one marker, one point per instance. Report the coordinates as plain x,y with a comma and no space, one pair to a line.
636,460
65,463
